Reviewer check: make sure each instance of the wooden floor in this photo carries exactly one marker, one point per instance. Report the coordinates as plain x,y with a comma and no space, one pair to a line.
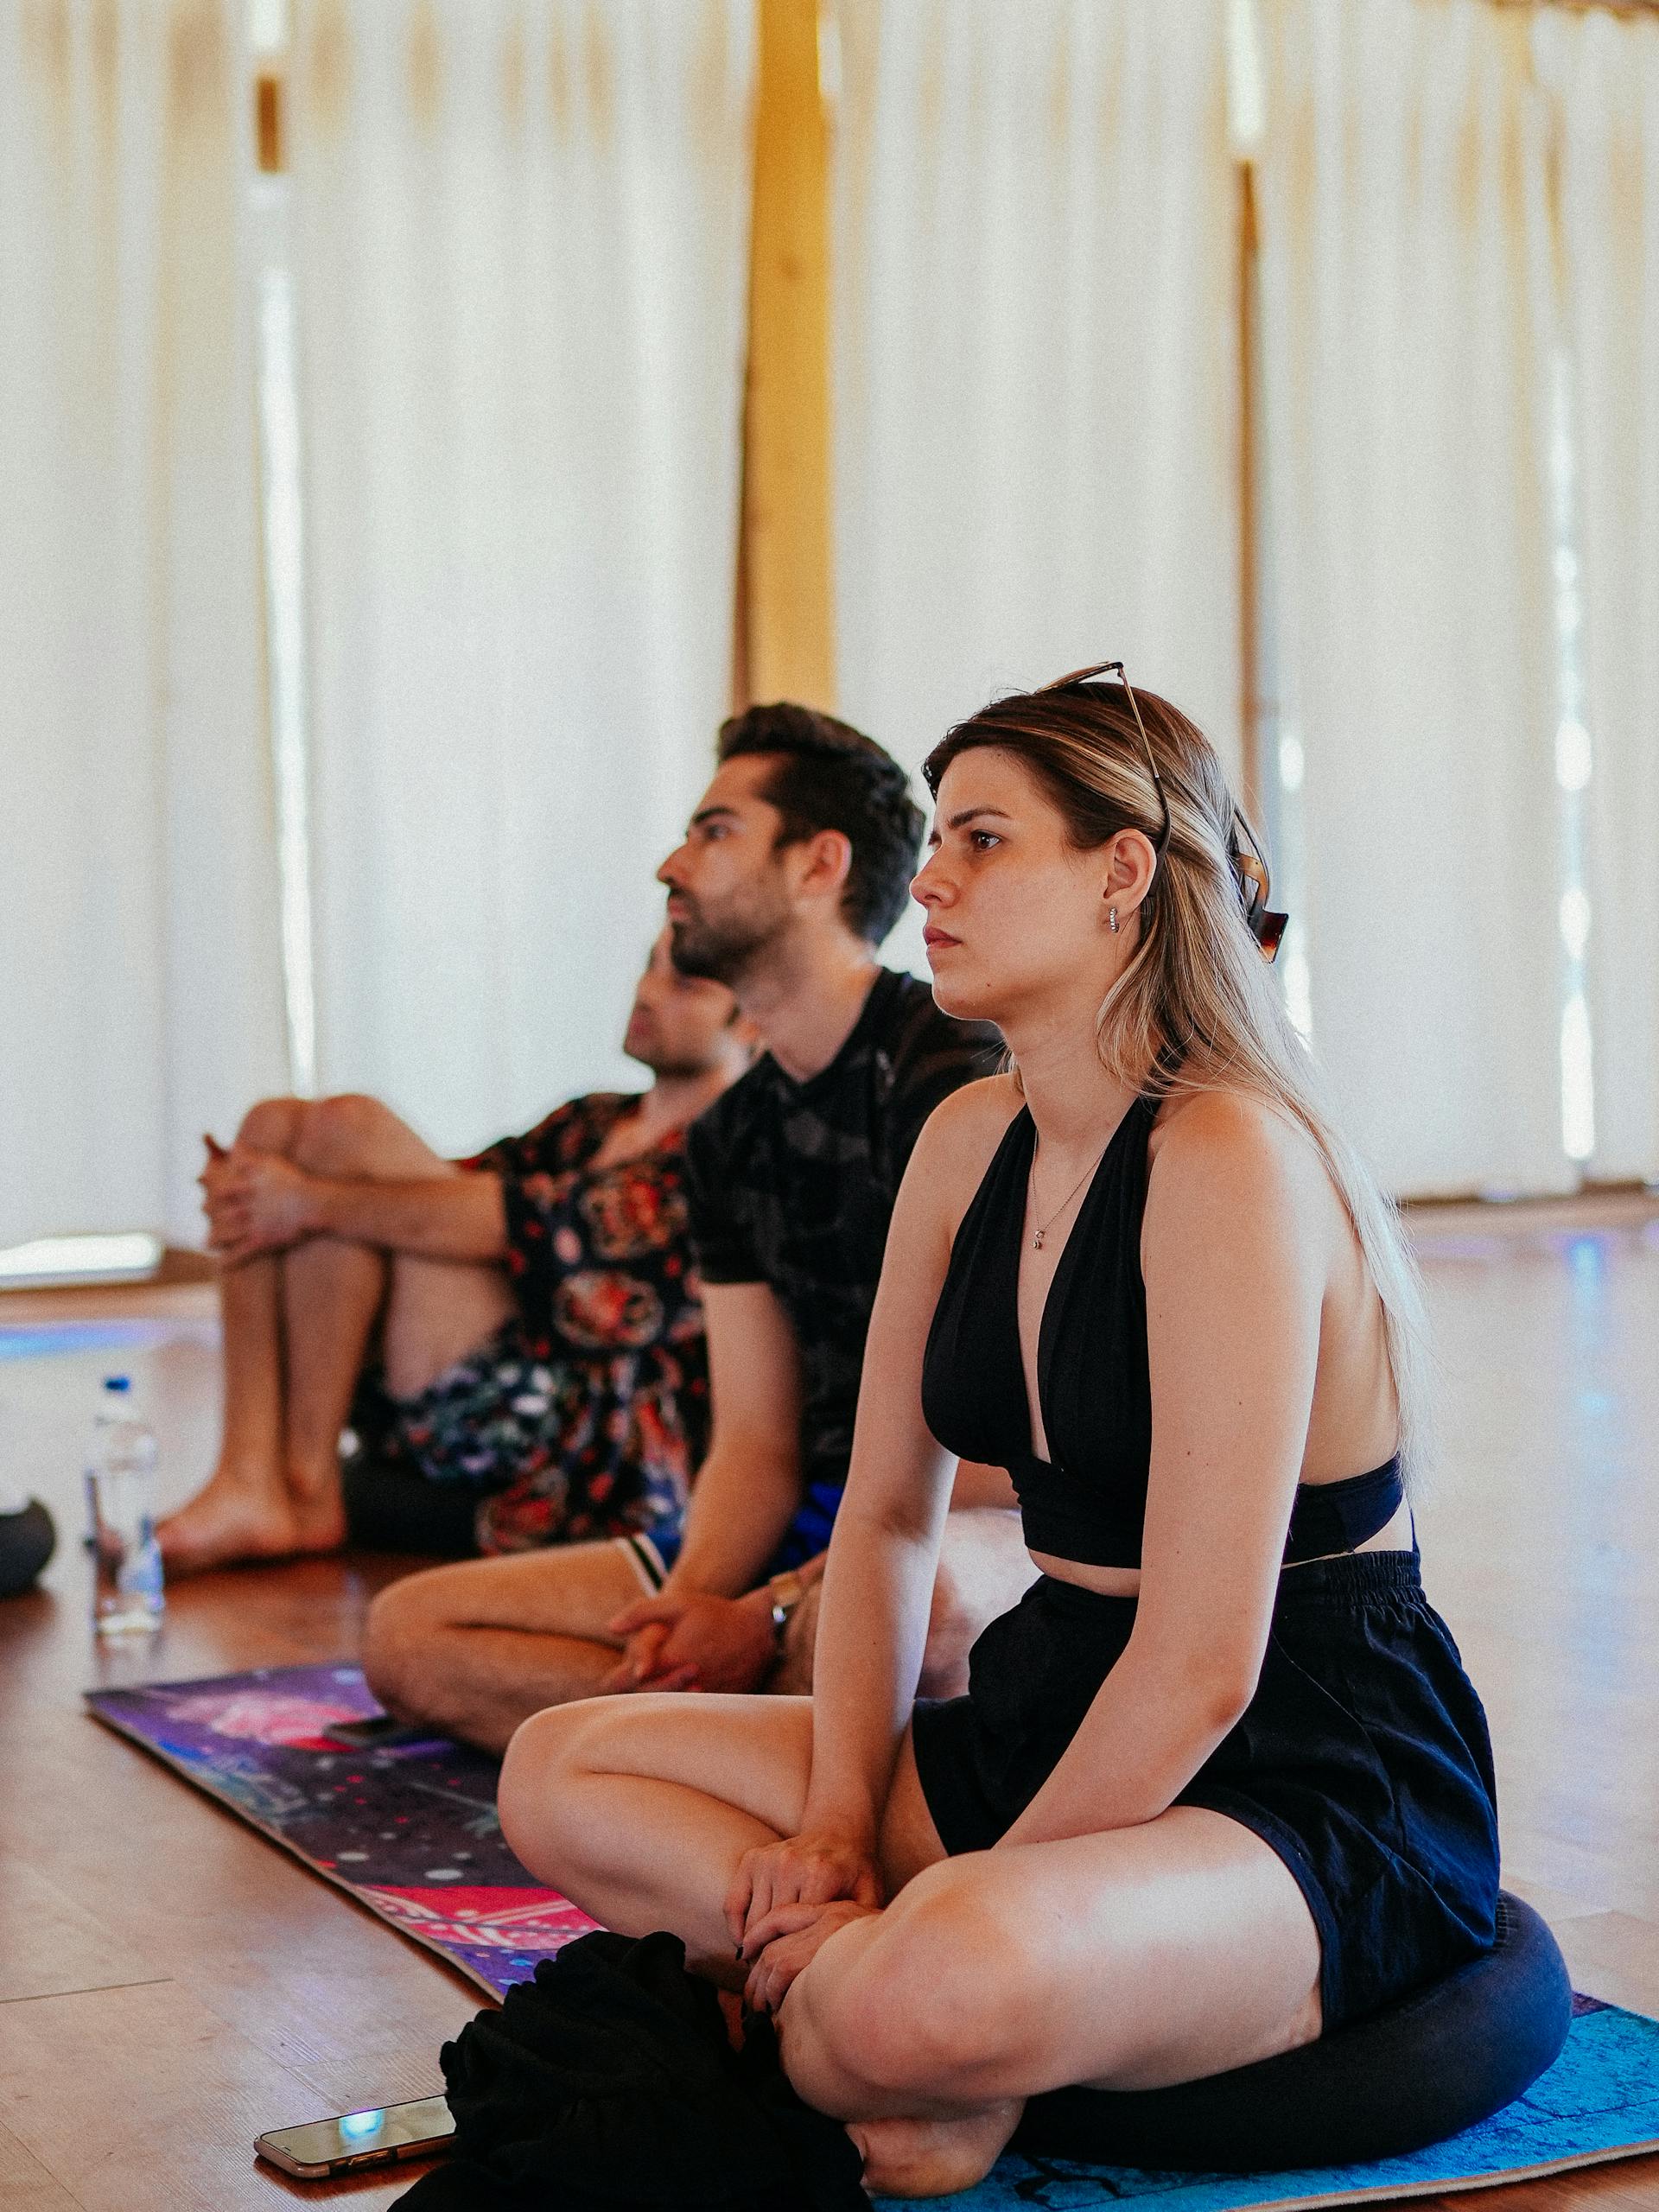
170,1984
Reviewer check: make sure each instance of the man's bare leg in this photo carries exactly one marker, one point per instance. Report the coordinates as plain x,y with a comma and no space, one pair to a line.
332,1296
435,1311
438,1311
476,1648
305,1316
244,1504
249,1301
984,1571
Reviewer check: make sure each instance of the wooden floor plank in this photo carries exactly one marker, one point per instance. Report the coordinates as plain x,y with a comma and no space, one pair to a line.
294,1964
1614,1956
177,2135
1555,1905
1625,2185
50,1946
25,2184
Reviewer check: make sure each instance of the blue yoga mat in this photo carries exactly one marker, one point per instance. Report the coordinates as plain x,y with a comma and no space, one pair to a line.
1599,2101
411,1831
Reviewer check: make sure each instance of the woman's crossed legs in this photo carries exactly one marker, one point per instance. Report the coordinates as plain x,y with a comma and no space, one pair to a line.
1126,1960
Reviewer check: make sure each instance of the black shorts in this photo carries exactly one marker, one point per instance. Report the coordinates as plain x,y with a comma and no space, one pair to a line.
1362,1760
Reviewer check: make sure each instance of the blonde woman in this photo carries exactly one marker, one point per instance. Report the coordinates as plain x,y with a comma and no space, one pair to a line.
1219,1784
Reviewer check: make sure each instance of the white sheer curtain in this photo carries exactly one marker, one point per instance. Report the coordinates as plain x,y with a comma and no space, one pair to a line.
1406,344
1603,73
140,986
522,236
1035,356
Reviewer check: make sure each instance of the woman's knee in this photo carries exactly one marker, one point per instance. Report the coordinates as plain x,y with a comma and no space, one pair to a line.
540,1773
937,2005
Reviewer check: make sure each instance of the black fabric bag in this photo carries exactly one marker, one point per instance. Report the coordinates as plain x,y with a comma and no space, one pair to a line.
608,2084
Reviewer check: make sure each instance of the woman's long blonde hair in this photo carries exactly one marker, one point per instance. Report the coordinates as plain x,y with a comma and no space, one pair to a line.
1196,1009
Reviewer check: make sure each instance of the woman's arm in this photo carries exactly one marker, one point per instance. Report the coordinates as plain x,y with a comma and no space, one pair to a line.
883,1557
1236,1254
877,1595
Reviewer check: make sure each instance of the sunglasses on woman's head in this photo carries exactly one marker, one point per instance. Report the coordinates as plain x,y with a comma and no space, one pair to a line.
1250,873
1249,870
1115,668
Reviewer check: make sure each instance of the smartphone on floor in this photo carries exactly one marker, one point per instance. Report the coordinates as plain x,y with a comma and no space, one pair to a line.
357,2139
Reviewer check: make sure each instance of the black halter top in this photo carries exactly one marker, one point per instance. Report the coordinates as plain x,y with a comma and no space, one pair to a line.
1088,1502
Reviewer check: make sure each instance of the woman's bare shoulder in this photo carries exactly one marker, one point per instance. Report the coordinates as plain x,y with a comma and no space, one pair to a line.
960,1137
1235,1143
971,1121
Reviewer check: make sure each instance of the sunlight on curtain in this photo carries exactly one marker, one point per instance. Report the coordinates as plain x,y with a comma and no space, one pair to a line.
1035,357
1407,340
521,237
1602,71
140,985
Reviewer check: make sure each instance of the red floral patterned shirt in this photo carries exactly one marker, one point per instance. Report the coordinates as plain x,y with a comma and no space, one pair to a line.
608,1299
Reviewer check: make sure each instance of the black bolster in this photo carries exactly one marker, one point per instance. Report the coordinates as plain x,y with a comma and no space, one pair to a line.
390,1508
1438,2062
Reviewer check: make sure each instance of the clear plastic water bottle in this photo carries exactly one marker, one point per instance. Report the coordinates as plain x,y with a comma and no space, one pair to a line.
127,1599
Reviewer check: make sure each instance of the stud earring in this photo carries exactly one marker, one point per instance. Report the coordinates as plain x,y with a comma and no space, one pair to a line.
1111,919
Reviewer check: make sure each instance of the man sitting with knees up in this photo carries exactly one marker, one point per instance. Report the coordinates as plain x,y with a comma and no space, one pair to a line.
794,868
516,1338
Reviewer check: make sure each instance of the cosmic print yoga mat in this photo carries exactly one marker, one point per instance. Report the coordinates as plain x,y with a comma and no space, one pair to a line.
409,1828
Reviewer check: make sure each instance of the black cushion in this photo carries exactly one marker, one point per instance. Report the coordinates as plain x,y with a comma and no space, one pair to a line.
390,1507
27,1539
1438,2062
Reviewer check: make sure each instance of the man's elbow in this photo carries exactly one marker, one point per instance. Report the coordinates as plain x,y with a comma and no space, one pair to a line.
755,1461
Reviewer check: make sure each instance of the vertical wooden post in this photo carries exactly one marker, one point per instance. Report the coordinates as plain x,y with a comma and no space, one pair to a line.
1249,521
785,643
269,141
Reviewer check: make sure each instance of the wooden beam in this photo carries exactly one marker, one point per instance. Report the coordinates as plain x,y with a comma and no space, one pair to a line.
267,121
786,614
1249,521
1649,8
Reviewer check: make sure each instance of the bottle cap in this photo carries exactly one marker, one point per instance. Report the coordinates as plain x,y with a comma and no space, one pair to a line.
117,1382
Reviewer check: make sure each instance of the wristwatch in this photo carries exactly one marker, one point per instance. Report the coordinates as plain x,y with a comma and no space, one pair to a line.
785,1592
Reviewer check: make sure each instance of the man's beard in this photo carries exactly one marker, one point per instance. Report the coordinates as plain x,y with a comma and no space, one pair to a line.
666,1069
722,950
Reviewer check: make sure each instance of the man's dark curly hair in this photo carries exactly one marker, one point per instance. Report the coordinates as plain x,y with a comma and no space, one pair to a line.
829,776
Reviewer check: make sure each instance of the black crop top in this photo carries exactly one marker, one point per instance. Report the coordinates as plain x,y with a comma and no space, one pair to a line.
1088,1503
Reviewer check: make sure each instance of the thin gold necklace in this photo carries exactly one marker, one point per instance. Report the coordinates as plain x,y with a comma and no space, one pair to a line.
1037,1234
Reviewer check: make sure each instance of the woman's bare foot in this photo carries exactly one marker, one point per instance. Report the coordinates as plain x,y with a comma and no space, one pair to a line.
933,2157
236,1516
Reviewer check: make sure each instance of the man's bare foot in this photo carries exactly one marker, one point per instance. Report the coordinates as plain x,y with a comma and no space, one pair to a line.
933,2157
234,1518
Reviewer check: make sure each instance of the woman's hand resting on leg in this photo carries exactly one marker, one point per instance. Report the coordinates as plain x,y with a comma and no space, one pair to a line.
787,1898
799,1931
811,1870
